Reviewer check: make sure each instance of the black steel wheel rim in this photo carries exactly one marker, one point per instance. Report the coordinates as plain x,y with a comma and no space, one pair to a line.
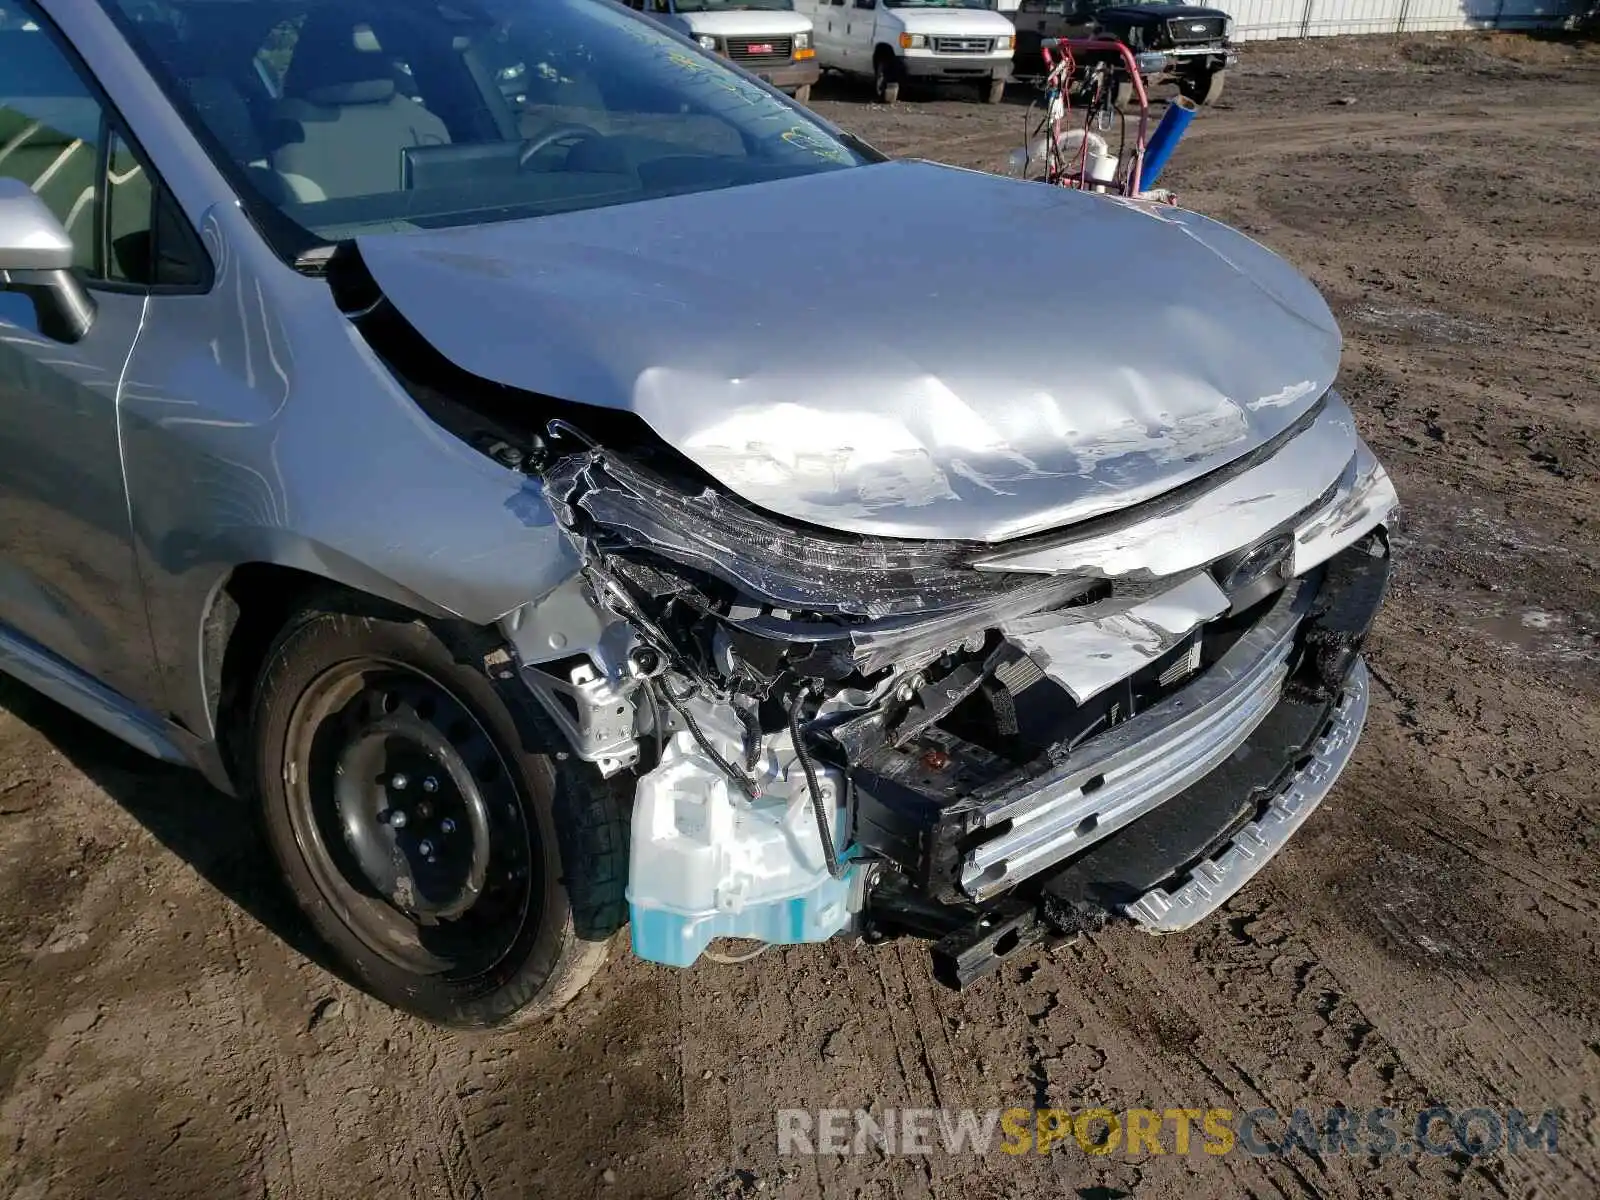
414,829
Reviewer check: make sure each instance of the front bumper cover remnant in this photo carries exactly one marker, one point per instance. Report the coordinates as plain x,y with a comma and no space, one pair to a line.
1213,881
1137,766
931,66
795,75
1163,818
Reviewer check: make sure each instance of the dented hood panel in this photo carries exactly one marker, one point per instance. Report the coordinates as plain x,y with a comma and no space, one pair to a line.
900,349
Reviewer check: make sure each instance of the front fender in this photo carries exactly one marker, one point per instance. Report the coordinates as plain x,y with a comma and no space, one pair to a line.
258,427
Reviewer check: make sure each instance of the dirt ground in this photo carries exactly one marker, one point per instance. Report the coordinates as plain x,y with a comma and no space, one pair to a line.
1431,936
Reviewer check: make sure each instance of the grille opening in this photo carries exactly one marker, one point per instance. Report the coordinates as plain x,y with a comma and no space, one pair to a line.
760,49
961,45
1195,29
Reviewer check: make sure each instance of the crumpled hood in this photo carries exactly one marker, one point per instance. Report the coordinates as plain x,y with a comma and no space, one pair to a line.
899,349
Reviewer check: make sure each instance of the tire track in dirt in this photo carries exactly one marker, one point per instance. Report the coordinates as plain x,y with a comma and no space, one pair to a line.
454,1146
312,1046
120,1043
313,1037
590,1095
1445,1002
1515,867
914,1085
1267,136
1420,1016
278,1168
1284,986
947,1069
1129,1030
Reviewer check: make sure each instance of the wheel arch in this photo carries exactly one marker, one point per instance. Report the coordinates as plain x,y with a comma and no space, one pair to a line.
245,610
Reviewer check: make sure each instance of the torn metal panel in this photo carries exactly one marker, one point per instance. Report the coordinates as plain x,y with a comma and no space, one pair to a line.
923,406
1366,498
1087,657
1192,530
907,644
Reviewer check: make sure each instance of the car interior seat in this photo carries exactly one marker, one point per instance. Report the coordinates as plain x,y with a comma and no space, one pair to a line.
342,118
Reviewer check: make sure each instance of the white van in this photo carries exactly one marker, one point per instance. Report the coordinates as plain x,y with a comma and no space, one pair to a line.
918,40
768,38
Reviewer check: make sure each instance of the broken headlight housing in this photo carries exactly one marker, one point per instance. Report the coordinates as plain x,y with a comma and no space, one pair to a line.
620,504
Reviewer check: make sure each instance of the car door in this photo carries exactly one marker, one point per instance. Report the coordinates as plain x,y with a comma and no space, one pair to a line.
861,19
69,579
827,30
1032,26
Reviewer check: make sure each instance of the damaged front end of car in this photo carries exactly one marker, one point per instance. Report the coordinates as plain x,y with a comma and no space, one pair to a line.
985,744
889,622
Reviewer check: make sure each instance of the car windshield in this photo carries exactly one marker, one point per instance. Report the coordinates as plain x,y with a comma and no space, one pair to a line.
361,116
935,3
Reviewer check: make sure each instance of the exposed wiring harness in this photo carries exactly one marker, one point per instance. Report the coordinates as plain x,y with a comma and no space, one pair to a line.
657,726
743,778
814,787
746,782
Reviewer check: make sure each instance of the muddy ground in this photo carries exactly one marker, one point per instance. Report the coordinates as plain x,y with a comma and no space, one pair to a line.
1430,936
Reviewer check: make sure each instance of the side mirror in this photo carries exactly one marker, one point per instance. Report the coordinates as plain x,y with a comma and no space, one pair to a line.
36,261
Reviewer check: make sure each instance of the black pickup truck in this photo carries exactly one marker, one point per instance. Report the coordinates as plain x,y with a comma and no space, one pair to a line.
1178,43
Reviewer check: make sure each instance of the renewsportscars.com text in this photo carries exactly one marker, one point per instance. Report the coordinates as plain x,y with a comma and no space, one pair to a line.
1262,1132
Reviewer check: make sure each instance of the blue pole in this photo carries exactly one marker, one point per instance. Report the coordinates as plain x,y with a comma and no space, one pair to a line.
1165,139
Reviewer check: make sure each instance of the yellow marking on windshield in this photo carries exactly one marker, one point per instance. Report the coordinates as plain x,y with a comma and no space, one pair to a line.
808,139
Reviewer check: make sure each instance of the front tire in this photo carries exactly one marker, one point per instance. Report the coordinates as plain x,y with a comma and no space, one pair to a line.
453,866
1203,88
886,79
